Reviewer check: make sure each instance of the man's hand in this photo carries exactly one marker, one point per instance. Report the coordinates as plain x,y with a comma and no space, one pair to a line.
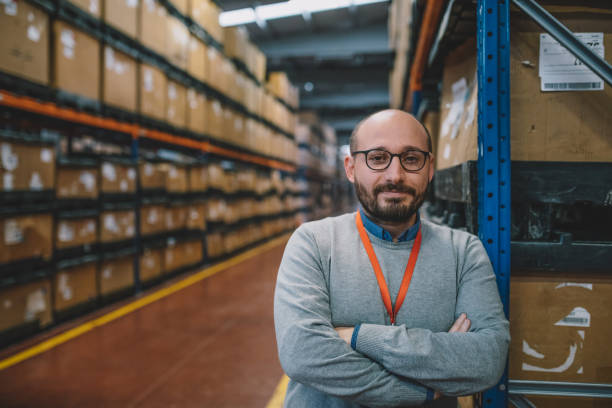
345,333
461,325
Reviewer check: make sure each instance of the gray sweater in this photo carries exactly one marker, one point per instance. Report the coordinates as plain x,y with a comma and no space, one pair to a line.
326,280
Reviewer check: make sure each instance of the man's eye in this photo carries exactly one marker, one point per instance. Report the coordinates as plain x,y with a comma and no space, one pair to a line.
378,157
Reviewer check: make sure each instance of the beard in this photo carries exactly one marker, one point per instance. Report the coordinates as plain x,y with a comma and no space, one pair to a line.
393,211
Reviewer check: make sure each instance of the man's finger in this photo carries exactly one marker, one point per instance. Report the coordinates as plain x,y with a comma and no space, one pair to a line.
458,323
465,327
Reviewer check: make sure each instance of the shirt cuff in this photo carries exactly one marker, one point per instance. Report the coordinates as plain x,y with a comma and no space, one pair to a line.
354,336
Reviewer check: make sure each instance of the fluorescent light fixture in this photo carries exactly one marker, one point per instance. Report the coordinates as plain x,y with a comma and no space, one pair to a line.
286,9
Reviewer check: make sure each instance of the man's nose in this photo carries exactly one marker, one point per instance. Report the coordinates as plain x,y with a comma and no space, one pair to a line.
395,171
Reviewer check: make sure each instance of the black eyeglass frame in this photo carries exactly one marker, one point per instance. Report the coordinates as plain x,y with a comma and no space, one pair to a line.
398,155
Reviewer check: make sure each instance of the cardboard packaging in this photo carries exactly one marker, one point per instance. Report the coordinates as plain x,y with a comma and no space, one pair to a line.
76,232
198,178
77,182
197,64
196,111
93,7
560,327
74,286
214,244
117,225
214,114
151,264
179,255
181,5
76,62
152,176
116,275
117,178
152,25
152,91
177,43
122,15
152,219
215,68
176,217
27,303
176,106
196,218
236,41
119,80
26,166
193,252
176,178
431,120
26,236
24,41
210,20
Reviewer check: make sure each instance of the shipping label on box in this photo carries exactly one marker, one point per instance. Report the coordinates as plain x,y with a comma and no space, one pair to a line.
119,80
117,225
75,232
74,286
25,304
26,167
152,92
152,219
117,178
26,236
77,182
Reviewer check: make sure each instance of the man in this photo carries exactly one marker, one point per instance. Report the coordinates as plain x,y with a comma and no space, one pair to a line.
380,308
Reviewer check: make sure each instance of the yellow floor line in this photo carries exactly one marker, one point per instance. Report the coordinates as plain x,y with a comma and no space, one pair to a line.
133,306
279,394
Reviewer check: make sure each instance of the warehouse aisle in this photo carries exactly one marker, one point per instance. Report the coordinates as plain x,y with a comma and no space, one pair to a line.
210,344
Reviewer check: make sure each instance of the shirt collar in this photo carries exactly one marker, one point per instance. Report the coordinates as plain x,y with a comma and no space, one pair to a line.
381,233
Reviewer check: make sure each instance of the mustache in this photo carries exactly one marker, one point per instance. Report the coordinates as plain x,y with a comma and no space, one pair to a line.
399,188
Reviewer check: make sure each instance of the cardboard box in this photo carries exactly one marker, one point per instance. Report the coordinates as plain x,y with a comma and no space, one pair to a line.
26,236
117,178
76,232
77,182
196,111
116,275
177,43
214,244
152,219
176,106
176,178
192,252
24,41
198,178
93,7
151,264
119,80
214,114
197,64
181,5
215,68
26,166
176,217
431,120
152,91
25,304
117,225
152,26
210,20
152,176
196,218
236,40
74,286
122,15
560,327
76,62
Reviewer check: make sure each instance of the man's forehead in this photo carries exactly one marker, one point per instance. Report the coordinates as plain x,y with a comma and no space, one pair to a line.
395,127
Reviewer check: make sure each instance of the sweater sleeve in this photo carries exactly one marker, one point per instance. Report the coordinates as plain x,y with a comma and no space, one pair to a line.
310,350
452,363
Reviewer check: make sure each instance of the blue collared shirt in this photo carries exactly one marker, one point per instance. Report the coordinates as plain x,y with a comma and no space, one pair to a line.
381,233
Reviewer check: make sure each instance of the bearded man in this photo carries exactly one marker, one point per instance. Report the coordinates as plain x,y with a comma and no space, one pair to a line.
381,308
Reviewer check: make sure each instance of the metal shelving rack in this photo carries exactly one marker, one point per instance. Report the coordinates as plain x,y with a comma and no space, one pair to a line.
487,182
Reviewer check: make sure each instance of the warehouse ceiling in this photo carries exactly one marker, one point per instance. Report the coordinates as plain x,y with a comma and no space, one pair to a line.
340,59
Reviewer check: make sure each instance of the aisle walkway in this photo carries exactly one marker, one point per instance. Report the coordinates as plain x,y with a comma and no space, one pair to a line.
210,344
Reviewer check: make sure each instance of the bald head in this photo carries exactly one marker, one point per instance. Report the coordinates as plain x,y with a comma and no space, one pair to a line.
381,119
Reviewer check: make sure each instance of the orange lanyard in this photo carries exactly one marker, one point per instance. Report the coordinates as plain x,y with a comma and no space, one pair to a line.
384,289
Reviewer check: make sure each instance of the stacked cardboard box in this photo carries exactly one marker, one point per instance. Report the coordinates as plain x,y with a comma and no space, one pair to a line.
122,15
26,236
26,166
26,304
74,286
116,275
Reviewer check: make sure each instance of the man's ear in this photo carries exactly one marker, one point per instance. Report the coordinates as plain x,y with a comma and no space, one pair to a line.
349,168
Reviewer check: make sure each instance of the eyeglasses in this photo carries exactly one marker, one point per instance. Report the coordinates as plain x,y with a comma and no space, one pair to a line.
379,159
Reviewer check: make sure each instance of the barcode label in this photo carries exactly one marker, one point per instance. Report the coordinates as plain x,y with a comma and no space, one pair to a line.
576,320
574,85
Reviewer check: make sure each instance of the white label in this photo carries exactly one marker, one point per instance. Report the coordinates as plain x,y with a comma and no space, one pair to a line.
131,173
131,3
123,185
148,170
471,113
150,5
68,41
35,305
109,58
173,173
7,304
216,105
447,151
94,6
108,171
88,180
579,317
33,33
30,17
7,179
563,367
129,231
107,273
10,161
12,233
588,286
153,217
90,228
171,91
560,70
65,232
36,182
63,287
194,214
110,223
10,7
46,155
147,80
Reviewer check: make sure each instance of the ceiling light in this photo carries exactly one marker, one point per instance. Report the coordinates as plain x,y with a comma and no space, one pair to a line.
285,9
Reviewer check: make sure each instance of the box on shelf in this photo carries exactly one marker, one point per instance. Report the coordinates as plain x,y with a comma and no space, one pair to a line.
119,80
209,19
76,62
196,111
181,5
560,327
116,275
214,113
175,177
117,225
152,91
197,62
176,104
215,68
26,236
26,166
77,182
93,7
74,286
236,41
192,251
176,217
152,219
152,26
72,232
177,43
198,178
152,176
23,304
151,264
196,216
122,15
24,41
117,178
